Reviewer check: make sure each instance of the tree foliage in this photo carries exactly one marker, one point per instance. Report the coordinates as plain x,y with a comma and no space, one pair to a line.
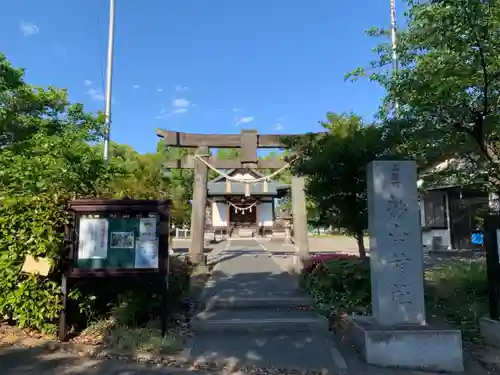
46,158
179,185
335,167
447,84
51,152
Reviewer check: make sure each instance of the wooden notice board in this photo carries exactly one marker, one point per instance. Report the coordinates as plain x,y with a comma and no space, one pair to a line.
117,243
110,238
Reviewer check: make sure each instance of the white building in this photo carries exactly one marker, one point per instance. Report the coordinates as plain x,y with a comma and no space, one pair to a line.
233,210
452,211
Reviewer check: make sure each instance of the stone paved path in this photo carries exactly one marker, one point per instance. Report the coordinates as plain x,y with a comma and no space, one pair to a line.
255,316
250,271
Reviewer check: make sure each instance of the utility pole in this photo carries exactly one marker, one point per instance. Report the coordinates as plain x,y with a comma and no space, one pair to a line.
109,78
394,46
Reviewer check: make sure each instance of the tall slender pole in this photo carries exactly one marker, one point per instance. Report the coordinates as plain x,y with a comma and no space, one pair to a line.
394,46
109,77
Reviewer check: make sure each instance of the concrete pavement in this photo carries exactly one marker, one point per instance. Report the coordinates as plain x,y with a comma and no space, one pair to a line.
255,316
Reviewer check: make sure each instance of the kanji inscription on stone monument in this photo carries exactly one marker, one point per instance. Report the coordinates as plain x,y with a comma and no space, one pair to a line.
395,242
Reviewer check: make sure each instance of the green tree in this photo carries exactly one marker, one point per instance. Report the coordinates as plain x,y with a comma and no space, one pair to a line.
228,153
46,158
335,167
447,85
137,176
178,184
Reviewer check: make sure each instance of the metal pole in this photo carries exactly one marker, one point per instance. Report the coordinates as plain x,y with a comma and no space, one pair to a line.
394,45
109,78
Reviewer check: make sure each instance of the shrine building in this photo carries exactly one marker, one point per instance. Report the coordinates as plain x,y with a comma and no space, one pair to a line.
238,209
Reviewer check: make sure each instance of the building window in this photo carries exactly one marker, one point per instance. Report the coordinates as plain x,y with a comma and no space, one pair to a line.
435,210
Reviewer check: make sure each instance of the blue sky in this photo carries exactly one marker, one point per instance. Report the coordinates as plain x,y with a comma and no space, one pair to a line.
198,65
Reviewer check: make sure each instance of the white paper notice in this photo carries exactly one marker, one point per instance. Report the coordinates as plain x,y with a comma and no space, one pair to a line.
146,253
147,228
93,239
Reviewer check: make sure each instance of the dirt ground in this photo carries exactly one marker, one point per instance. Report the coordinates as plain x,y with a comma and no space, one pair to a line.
40,361
316,244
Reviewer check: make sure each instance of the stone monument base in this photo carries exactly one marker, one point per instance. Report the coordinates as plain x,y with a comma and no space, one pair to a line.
490,330
407,346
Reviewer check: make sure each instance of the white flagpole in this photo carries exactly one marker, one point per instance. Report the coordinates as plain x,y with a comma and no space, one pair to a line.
394,45
109,77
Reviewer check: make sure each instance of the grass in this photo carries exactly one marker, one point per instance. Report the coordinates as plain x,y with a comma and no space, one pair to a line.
112,335
132,323
458,292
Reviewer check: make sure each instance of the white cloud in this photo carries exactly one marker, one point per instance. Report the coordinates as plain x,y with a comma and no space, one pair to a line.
236,109
180,103
95,94
279,123
178,111
180,88
177,107
28,28
162,114
136,86
244,120
159,90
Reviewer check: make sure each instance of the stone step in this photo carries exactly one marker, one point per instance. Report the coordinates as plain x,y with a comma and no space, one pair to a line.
262,320
257,302
244,232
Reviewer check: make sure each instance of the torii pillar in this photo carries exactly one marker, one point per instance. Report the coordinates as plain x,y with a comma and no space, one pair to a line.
198,208
299,216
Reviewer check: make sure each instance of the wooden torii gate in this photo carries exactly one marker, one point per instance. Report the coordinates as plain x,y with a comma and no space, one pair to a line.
249,141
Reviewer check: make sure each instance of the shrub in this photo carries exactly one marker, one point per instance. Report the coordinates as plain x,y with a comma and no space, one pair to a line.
130,301
323,258
339,284
30,225
459,292
34,225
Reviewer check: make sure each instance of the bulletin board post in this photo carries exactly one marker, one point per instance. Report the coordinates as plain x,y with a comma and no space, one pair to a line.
110,238
492,247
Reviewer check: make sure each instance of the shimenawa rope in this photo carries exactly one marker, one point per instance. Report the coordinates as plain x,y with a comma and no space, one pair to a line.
242,209
235,179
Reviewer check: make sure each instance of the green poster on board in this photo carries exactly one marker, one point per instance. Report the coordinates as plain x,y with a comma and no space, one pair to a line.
118,243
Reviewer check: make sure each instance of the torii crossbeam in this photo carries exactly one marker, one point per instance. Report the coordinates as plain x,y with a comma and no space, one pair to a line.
249,141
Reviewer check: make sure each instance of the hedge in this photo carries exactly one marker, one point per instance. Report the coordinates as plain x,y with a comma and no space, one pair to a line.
34,225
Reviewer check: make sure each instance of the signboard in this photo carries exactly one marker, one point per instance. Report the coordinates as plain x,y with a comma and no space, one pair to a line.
118,243
115,238
40,266
477,238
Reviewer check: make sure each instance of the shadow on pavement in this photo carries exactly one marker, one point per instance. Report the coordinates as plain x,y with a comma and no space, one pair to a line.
41,361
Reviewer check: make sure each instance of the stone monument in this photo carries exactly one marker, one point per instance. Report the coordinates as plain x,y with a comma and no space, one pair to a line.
397,334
